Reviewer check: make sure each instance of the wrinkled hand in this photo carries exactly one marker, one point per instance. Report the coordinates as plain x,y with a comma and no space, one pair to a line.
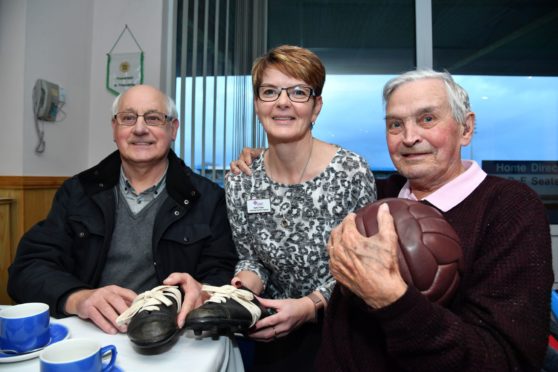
291,314
193,294
245,160
368,267
102,306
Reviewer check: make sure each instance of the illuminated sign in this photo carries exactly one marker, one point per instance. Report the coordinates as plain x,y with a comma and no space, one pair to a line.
541,176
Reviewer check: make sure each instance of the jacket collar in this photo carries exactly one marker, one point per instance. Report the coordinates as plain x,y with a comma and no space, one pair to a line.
105,175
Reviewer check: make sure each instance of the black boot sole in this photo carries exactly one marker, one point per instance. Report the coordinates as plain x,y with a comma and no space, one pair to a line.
217,326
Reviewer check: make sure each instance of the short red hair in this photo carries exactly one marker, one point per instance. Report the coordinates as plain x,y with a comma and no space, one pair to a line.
293,61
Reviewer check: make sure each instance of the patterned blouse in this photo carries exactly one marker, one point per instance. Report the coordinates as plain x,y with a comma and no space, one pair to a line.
284,243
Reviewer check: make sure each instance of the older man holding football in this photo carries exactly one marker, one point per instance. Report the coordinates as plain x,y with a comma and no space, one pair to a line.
498,318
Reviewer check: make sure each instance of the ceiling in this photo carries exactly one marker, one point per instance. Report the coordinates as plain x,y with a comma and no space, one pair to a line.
489,37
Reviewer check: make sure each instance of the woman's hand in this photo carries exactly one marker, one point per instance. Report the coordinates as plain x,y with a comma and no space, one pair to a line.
291,314
248,280
242,164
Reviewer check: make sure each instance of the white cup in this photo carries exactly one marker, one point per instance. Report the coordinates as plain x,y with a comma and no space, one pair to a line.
76,355
24,327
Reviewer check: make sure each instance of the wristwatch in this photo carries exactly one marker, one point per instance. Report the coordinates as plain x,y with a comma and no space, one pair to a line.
319,306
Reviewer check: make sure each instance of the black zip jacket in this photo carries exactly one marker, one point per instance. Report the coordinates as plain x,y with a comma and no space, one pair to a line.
67,251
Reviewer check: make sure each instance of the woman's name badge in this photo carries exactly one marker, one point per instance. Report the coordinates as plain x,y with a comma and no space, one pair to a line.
258,205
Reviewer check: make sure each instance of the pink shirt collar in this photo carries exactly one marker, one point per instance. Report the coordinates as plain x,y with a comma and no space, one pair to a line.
453,192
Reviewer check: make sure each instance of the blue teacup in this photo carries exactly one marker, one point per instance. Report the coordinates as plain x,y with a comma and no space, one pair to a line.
24,327
76,355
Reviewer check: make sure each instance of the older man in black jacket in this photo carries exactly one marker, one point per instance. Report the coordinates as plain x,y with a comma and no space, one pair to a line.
137,219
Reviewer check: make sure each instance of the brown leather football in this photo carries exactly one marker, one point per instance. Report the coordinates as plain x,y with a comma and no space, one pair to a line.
430,254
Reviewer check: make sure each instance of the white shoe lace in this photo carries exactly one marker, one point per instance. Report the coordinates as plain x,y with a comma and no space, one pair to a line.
150,301
243,297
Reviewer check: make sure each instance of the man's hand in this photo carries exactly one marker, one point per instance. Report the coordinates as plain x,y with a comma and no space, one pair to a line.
368,267
193,294
102,306
245,160
291,314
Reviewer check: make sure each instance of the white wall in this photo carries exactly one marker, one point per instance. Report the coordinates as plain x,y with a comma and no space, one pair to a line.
12,54
144,18
58,49
66,41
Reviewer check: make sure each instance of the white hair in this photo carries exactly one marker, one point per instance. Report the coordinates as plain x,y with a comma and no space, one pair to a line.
169,103
457,96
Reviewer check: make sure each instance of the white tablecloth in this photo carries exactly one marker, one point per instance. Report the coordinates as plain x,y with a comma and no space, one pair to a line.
187,354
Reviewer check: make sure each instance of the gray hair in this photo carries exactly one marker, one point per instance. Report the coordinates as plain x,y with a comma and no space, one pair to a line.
457,96
169,103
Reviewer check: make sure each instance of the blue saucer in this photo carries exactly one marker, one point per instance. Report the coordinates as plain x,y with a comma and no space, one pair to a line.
58,332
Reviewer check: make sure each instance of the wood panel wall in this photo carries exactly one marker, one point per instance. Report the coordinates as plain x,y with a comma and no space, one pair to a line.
24,201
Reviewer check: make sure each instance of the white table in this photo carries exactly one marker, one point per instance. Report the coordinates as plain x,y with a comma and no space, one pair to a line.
187,354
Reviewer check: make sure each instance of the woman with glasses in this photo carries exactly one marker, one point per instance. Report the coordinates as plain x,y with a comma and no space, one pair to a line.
281,215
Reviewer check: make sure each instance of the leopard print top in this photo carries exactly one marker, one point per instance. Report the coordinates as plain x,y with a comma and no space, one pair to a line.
286,246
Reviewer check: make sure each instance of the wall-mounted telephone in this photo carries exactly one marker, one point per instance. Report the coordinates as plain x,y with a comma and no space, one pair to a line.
47,100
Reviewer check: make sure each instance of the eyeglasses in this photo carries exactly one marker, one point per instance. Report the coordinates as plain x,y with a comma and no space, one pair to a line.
152,119
298,93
